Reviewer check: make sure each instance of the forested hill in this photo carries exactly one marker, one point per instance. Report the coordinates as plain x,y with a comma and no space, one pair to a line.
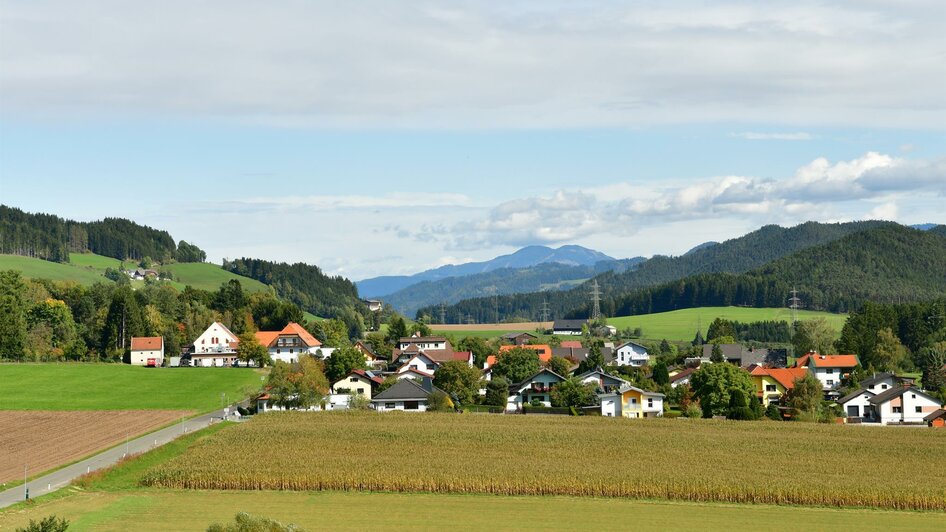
887,264
49,237
542,277
737,255
303,284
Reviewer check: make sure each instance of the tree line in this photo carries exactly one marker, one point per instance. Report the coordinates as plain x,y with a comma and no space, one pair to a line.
49,237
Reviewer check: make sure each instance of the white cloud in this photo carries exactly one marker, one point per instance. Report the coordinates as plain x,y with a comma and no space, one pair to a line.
753,135
884,211
523,64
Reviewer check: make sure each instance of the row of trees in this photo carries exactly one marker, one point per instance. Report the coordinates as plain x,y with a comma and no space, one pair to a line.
52,238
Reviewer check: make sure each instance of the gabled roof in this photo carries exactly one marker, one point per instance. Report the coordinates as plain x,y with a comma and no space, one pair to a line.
941,413
514,335
628,388
632,343
570,344
147,343
784,376
294,328
827,361
893,393
523,384
601,373
544,352
854,395
413,371
363,374
402,390
367,348
224,327
267,338
423,339
683,374
568,324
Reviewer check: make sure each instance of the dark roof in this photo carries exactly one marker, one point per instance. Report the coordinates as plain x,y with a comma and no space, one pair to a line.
633,343
935,415
881,376
604,374
413,339
748,356
404,389
581,353
513,335
852,395
897,392
534,375
683,374
568,324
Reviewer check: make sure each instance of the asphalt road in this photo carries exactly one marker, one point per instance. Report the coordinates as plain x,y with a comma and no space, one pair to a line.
62,477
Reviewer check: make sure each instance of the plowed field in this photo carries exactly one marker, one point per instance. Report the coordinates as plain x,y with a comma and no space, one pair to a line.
44,440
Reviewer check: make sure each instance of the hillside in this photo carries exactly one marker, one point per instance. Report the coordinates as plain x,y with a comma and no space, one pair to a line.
542,277
55,271
208,276
734,256
526,257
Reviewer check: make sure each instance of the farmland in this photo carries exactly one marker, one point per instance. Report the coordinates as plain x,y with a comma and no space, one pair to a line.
208,276
42,269
120,387
45,440
483,454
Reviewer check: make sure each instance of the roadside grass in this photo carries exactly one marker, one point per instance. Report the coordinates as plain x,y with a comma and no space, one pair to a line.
87,386
161,510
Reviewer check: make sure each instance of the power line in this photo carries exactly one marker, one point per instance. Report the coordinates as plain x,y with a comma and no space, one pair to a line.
595,301
443,313
545,311
795,303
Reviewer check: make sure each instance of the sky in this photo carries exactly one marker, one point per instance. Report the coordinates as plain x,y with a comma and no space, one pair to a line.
385,137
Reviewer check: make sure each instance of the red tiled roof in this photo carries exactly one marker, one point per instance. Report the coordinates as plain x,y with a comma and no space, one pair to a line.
683,374
147,343
295,328
571,344
267,338
784,376
832,361
363,373
544,352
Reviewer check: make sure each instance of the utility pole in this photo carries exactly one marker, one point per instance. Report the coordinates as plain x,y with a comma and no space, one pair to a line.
595,301
545,311
496,308
795,302
443,313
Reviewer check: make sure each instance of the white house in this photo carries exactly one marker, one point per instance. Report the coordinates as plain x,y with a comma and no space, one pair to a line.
216,346
568,327
631,354
424,342
829,369
357,382
419,362
293,340
857,405
537,387
405,395
147,351
601,380
903,404
683,377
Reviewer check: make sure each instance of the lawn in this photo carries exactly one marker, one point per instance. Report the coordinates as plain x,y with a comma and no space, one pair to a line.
681,325
43,269
208,276
161,510
120,387
699,460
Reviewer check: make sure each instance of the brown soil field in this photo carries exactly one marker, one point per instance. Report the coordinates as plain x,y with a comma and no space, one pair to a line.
47,439
527,326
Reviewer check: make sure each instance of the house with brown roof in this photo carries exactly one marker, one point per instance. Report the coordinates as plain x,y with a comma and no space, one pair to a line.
518,338
829,369
936,419
682,378
147,351
286,345
372,359
357,382
904,404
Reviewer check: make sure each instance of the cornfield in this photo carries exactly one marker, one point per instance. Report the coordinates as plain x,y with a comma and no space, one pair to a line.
695,460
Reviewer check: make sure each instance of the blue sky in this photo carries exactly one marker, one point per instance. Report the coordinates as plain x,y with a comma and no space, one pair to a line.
384,137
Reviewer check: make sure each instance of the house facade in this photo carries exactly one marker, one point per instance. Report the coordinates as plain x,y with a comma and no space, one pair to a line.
631,402
632,354
771,384
357,382
904,404
602,381
829,369
568,327
215,347
286,345
405,395
538,387
147,351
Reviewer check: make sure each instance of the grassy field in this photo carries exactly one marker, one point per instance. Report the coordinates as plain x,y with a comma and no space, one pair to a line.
681,325
120,387
208,276
677,459
162,510
42,269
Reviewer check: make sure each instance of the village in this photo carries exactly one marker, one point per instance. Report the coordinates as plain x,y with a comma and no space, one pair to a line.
407,380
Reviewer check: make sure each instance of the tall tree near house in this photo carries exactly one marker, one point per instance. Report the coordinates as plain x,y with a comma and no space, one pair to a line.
478,346
595,359
814,335
933,363
572,392
720,327
249,350
397,329
311,384
343,360
458,378
559,365
497,392
713,384
805,396
716,355
661,375
889,354
516,364
124,320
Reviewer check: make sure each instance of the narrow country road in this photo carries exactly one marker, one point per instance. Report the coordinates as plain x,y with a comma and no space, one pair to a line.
62,477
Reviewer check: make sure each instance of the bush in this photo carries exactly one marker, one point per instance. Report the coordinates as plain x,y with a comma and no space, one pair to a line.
772,412
47,524
245,522
693,411
439,402
673,414
359,401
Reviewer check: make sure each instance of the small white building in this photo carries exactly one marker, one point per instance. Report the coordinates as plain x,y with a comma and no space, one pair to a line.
857,405
420,362
404,395
147,351
632,402
631,354
215,347
538,388
904,404
293,340
828,369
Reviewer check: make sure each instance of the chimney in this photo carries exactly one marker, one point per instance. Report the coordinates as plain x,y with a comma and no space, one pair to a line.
427,385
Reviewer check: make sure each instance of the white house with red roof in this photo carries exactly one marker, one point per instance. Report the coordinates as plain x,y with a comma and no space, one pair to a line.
147,351
829,369
286,345
216,346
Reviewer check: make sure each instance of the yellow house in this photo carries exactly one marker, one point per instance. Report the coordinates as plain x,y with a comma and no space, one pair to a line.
632,402
771,384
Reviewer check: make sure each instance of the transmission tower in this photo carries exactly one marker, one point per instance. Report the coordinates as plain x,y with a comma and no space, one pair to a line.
794,304
595,301
443,313
545,311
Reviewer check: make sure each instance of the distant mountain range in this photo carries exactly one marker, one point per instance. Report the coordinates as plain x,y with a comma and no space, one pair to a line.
902,260
527,257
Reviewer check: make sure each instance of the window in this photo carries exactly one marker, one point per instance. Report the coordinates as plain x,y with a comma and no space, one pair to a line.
883,386
770,388
830,382
914,396
360,391
353,379
411,405
919,409
898,410
871,387
829,371
389,405
650,403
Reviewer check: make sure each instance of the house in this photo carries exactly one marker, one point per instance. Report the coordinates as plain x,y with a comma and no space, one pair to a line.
286,345
415,374
357,382
882,382
936,419
436,347
771,384
216,346
829,369
857,406
570,344
147,351
632,354
568,327
372,359
904,404
424,342
538,387
632,402
406,395
683,377
419,362
520,338
603,381
579,354
744,357
374,305
140,274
